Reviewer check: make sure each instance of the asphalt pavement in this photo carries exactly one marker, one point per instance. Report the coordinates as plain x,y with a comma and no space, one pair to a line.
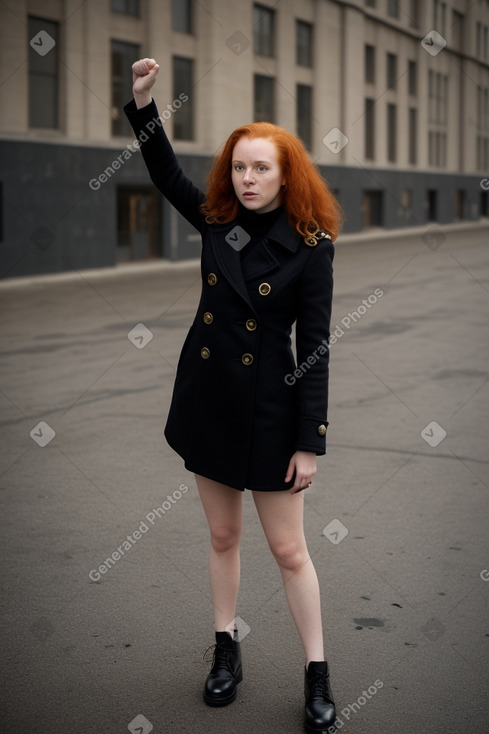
106,611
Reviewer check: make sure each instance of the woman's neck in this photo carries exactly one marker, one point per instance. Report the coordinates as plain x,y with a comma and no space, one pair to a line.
254,221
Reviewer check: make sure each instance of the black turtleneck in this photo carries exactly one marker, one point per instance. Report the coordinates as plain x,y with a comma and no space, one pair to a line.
256,225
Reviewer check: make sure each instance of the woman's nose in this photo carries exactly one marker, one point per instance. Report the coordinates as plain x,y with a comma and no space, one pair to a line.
248,178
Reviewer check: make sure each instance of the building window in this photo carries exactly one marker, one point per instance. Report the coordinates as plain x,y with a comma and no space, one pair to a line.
437,148
369,64
304,52
391,71
43,73
370,129
437,97
440,17
457,30
264,98
393,8
483,109
432,96
412,78
414,13
263,31
304,114
128,7
181,14
482,162
413,133
391,133
123,56
183,119
481,41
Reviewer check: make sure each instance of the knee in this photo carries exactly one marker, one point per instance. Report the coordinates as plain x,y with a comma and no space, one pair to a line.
290,556
225,538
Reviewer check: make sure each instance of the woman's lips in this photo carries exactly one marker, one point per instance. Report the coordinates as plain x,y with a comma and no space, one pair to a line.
249,195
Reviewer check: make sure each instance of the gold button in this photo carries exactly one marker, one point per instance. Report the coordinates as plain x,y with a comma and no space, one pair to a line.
205,353
247,358
324,235
322,429
251,324
212,279
208,318
264,289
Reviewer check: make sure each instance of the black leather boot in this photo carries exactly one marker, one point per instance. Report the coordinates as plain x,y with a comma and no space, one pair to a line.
221,686
320,709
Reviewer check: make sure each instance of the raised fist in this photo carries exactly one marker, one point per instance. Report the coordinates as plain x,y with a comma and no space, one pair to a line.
144,74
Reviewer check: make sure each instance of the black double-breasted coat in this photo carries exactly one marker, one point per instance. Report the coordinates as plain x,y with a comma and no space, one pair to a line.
242,405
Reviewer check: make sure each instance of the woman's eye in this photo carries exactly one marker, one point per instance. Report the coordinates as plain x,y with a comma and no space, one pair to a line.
238,168
262,168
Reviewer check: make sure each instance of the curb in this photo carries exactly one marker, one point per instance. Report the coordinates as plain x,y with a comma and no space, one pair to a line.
381,233
157,266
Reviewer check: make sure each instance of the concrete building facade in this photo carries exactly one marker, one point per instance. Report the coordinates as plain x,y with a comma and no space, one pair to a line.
391,98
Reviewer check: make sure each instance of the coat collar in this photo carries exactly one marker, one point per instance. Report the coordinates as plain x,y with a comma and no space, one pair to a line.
280,232
265,260
284,234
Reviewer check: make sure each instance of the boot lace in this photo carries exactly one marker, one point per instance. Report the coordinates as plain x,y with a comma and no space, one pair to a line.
319,688
220,656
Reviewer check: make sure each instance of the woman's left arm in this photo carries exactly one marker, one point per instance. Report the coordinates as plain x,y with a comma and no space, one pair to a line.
312,338
302,468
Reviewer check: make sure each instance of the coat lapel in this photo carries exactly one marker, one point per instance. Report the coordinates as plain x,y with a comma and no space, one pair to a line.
264,259
229,260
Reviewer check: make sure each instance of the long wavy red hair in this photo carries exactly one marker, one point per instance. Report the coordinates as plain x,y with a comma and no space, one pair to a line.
309,203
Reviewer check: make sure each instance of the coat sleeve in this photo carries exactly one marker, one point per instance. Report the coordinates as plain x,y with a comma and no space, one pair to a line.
163,166
312,338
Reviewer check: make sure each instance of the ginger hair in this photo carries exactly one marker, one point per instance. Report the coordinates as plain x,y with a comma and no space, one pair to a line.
306,196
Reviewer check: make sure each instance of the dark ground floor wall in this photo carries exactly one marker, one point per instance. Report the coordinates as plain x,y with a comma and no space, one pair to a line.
67,207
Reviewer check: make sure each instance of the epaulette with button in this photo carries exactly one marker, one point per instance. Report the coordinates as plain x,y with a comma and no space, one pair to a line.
313,239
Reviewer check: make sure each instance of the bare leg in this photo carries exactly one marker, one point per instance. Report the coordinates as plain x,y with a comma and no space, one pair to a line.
281,515
223,507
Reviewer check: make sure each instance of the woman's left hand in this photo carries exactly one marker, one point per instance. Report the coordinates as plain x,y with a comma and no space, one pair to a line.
304,464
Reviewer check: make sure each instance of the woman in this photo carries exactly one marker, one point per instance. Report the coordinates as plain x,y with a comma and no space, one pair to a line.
242,414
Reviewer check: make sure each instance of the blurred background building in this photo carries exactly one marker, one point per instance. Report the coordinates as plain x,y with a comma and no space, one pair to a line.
391,98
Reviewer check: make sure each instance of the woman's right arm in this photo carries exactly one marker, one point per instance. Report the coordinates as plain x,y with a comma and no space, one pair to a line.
163,166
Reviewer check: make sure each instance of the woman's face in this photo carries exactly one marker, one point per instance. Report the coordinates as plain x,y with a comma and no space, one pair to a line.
256,174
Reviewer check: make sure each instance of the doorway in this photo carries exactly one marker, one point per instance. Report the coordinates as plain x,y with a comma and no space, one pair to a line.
373,208
138,223
432,205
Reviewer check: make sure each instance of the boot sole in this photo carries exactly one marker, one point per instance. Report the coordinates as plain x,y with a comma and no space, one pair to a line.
313,730
217,702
